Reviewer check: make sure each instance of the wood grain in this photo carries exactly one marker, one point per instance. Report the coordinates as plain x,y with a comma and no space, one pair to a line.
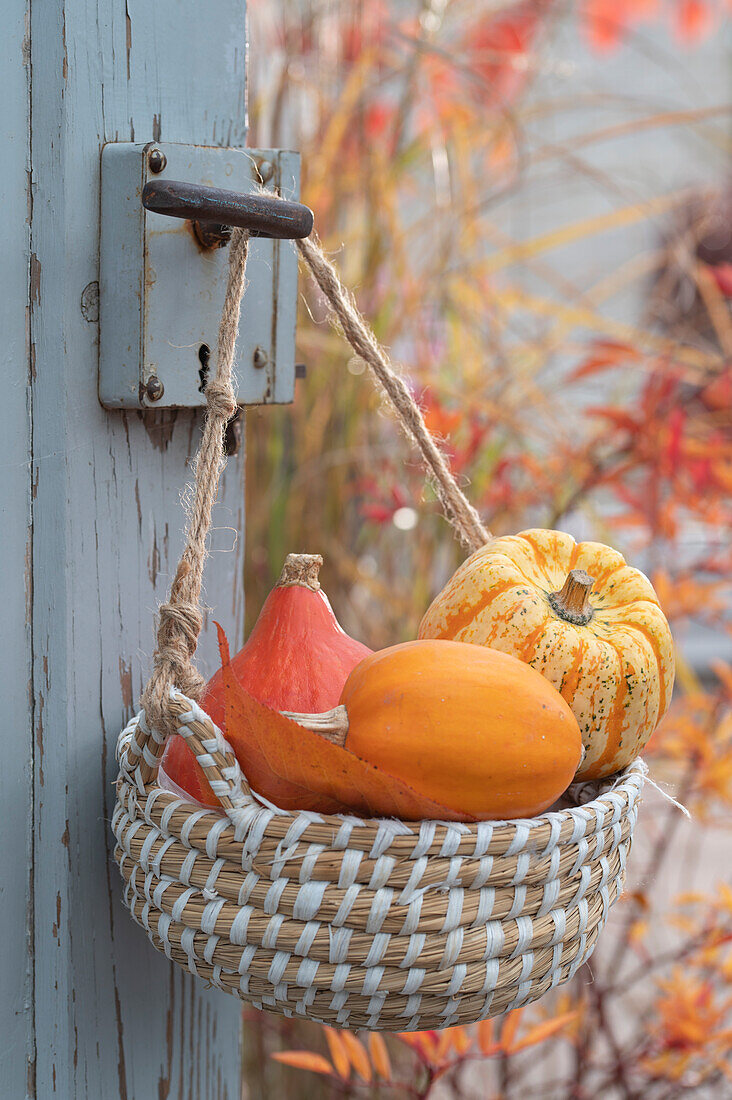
112,1018
16,977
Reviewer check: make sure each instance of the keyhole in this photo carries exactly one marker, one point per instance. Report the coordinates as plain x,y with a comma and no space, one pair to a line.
204,354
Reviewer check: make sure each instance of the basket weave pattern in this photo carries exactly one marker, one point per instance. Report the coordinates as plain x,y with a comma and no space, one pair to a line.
379,924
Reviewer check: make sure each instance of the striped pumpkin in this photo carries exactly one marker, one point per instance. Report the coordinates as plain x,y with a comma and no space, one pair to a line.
581,616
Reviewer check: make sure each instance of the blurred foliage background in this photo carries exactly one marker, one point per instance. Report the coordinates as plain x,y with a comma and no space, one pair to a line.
531,202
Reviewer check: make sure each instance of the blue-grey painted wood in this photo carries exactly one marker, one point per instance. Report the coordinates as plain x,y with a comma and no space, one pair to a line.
16,1019
113,1019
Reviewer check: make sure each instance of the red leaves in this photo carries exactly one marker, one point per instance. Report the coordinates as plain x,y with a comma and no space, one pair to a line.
722,275
694,20
607,22
498,42
605,355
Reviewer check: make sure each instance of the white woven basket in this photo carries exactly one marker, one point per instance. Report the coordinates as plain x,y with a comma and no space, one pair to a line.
378,924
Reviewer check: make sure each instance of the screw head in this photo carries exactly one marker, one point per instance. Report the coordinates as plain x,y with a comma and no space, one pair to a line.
154,389
265,170
260,357
156,160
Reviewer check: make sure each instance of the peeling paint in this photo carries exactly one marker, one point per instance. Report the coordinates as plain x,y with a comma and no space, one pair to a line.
121,1071
90,302
65,61
125,680
35,280
56,929
159,425
128,39
153,561
39,737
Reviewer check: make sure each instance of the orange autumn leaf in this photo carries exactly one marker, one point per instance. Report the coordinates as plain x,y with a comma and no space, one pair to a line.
725,893
689,1028
379,1055
486,1038
444,1043
300,770
510,1027
424,1042
460,1039
338,1052
638,931
357,1054
543,1031
304,1059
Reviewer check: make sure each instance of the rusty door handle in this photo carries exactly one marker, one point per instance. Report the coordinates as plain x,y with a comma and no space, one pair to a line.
214,211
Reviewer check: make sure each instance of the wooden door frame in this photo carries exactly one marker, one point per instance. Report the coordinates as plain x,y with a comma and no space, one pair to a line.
92,529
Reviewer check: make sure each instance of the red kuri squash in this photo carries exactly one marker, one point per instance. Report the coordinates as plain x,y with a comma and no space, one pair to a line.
297,657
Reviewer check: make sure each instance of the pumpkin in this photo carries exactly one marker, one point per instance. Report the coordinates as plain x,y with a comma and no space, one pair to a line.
297,657
468,727
580,615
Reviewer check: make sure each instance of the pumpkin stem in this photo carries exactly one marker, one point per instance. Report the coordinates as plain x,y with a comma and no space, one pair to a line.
572,603
331,724
301,569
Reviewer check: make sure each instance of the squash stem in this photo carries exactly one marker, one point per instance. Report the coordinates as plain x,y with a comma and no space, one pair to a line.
302,569
572,603
331,724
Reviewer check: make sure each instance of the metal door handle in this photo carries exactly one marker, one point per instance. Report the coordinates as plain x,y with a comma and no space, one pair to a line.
217,211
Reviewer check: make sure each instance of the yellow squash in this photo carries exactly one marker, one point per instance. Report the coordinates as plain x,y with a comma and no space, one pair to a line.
580,615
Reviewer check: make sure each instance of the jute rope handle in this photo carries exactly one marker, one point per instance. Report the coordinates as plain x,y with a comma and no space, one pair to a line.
180,619
345,316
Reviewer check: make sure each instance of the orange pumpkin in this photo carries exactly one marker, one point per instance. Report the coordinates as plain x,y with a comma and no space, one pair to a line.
470,728
581,616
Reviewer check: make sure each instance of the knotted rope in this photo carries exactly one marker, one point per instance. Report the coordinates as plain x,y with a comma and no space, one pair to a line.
180,619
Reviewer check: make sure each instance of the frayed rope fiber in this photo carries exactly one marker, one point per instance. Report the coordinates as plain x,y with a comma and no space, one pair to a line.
457,508
180,619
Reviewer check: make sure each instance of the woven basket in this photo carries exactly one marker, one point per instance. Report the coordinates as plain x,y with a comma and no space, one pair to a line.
378,924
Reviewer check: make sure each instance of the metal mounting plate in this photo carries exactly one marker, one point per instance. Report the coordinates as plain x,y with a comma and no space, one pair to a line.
161,293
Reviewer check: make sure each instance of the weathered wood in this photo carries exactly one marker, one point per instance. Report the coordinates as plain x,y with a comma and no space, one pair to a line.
16,1047
113,1019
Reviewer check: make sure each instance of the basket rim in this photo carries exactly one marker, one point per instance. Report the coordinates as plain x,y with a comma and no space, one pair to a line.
587,797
